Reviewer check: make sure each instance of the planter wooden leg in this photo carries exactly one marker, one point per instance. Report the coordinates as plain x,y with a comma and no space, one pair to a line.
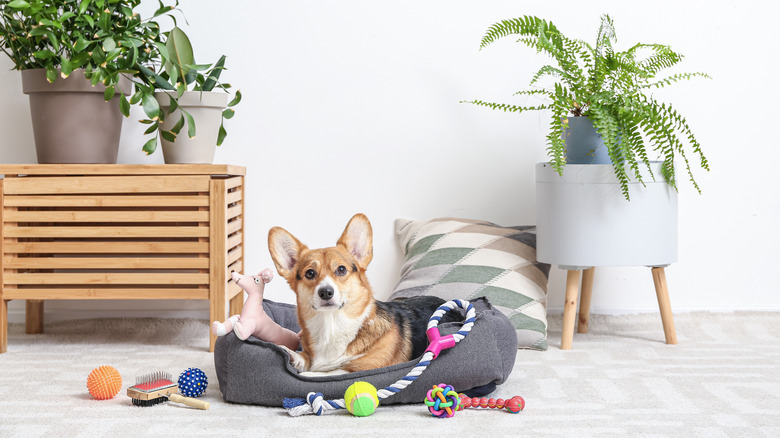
585,296
664,304
570,308
33,323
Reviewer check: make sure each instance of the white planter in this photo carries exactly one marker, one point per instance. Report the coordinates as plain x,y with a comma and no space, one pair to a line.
583,219
206,109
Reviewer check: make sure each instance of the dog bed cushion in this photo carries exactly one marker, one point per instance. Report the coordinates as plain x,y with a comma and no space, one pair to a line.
259,373
461,258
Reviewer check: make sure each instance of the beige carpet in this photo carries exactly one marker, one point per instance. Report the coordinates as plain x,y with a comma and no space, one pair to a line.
621,380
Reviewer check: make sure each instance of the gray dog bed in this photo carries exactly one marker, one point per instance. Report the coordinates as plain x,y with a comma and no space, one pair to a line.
259,373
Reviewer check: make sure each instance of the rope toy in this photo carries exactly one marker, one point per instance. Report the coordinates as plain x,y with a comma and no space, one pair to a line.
442,401
514,405
315,402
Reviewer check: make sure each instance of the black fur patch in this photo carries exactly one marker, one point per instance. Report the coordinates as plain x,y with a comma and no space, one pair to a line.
412,314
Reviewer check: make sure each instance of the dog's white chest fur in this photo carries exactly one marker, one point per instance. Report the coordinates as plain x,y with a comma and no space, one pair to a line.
331,333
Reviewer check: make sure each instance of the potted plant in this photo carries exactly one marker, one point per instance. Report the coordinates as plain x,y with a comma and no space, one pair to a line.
599,87
95,46
183,94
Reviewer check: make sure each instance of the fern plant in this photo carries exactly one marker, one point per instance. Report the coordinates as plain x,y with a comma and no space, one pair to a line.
611,88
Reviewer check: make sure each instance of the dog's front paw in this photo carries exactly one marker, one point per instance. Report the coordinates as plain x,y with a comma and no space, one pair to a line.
296,360
323,373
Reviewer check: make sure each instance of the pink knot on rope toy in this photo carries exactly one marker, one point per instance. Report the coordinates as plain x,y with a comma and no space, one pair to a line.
438,342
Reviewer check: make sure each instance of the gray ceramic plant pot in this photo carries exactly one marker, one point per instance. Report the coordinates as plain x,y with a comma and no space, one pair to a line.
206,109
72,122
584,144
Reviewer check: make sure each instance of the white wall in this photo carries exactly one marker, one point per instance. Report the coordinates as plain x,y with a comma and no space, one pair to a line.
353,106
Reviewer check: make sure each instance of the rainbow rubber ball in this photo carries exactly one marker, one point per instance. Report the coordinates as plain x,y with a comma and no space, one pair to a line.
104,382
361,399
442,401
193,382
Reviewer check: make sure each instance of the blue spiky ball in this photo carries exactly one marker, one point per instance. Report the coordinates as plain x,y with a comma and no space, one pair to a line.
193,382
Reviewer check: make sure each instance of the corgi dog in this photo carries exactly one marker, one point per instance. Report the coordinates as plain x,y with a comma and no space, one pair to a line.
343,328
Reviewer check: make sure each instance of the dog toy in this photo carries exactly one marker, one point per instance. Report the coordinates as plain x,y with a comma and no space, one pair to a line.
253,320
157,387
104,382
442,401
360,399
514,405
315,402
193,382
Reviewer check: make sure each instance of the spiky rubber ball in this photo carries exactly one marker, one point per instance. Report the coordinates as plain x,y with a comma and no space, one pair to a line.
193,382
104,382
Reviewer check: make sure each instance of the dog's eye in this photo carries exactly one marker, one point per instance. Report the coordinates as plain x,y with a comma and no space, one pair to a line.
341,271
257,280
310,273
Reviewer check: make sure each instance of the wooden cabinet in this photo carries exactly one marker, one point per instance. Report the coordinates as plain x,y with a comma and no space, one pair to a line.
74,231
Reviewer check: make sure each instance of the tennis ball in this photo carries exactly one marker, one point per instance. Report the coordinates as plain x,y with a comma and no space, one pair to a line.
104,382
361,399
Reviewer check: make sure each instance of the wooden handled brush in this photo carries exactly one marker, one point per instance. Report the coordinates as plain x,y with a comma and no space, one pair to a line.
157,387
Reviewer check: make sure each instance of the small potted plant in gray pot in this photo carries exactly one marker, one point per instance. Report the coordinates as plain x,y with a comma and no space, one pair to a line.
78,61
186,103
606,95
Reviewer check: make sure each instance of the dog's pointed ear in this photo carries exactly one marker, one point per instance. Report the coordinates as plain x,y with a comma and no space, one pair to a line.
285,251
357,238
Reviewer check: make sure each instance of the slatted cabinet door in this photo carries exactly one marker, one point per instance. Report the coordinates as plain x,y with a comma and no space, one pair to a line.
141,233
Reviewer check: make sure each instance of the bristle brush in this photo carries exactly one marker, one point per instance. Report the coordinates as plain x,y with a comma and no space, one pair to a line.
157,387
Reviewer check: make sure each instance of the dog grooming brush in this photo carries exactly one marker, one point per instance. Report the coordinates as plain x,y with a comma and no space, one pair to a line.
157,387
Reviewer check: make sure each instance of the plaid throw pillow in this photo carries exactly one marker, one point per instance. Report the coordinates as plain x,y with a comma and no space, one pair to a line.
459,258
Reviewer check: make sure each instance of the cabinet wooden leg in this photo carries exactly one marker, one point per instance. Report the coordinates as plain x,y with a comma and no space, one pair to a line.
664,304
33,323
570,308
585,295
218,281
217,313
236,304
3,325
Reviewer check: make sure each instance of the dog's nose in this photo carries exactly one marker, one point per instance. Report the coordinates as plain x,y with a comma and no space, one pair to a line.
325,293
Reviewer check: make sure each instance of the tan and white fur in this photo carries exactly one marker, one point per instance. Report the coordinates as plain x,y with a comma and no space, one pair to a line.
343,328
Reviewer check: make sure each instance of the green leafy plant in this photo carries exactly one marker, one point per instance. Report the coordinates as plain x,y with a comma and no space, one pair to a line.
179,73
106,38
609,87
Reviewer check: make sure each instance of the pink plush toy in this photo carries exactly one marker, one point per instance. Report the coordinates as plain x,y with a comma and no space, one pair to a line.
253,319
